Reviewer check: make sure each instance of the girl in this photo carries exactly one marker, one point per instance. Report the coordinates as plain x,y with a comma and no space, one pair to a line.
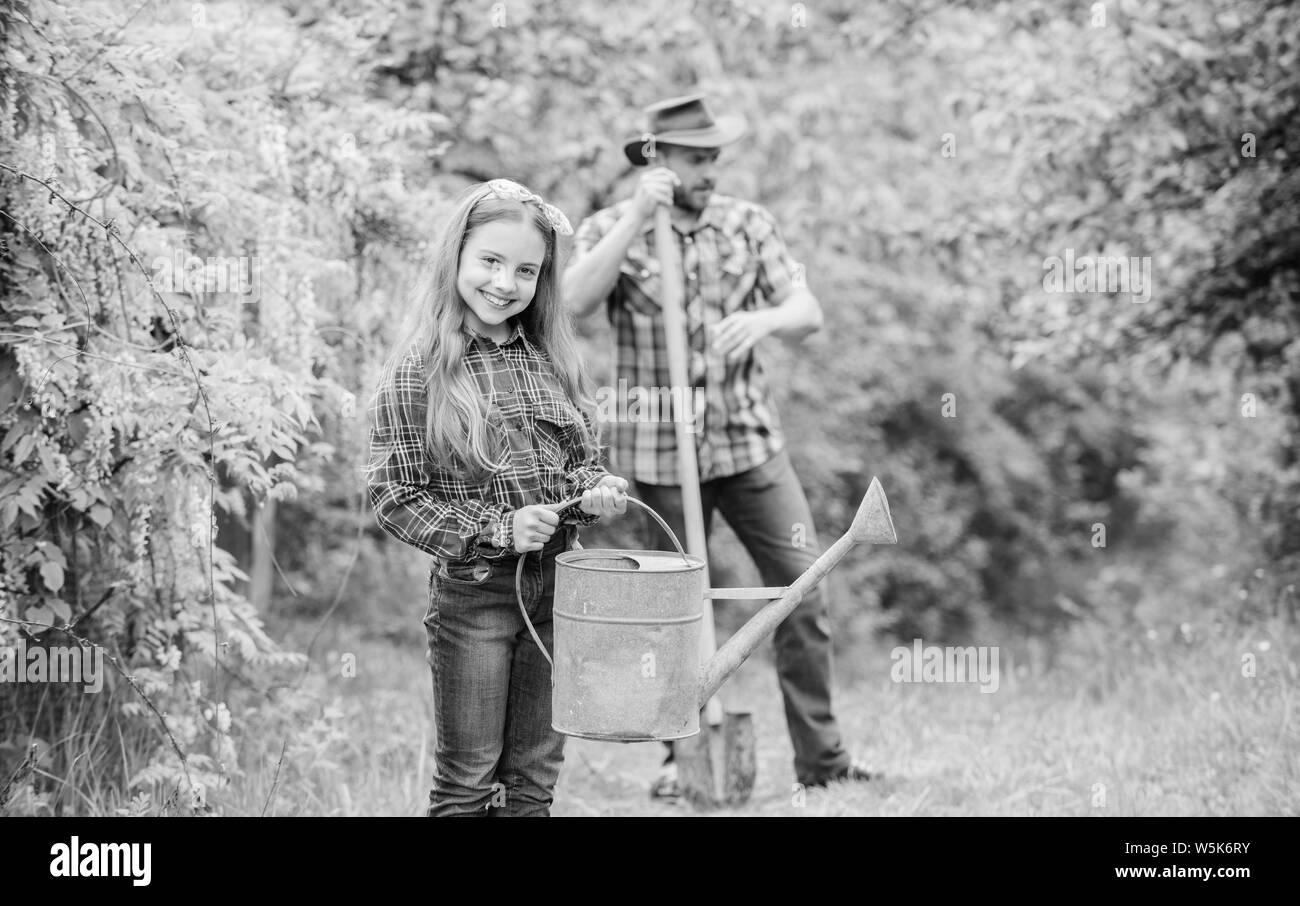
475,427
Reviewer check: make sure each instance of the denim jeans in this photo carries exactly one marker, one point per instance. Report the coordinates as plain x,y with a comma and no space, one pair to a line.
496,755
763,507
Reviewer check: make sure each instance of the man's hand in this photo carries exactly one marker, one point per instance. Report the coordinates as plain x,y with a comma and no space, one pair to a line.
592,277
654,188
533,527
736,334
607,498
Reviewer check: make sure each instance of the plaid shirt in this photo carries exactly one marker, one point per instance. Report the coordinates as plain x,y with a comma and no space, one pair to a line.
735,260
453,517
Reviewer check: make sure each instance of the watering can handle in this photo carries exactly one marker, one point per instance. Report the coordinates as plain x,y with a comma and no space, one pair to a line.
519,568
564,505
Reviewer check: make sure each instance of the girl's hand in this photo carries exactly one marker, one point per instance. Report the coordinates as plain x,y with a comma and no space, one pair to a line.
533,527
608,498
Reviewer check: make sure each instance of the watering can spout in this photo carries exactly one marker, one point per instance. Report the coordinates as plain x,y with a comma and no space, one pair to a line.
872,524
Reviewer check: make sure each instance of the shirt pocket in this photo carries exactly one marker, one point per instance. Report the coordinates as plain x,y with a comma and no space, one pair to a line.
556,428
498,437
643,286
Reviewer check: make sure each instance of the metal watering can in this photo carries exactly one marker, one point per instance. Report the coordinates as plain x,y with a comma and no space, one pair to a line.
627,631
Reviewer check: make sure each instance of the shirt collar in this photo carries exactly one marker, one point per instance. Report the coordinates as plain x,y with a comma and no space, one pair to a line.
516,333
711,216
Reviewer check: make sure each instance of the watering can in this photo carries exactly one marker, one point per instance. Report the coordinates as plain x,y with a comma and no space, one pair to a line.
627,627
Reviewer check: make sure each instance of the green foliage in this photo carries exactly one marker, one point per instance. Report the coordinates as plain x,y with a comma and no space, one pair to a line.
1167,133
142,393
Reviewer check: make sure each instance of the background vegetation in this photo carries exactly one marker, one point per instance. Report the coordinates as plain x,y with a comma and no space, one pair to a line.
1107,490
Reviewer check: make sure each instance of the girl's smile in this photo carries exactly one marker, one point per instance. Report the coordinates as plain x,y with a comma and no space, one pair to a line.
499,267
496,300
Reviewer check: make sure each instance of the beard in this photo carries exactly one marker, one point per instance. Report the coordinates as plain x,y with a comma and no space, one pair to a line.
684,197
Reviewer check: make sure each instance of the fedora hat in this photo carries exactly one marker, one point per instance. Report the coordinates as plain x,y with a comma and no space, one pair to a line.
684,121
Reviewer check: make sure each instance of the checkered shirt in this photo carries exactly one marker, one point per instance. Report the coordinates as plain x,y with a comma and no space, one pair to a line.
452,517
734,260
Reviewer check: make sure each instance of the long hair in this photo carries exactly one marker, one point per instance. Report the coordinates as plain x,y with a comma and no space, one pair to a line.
457,430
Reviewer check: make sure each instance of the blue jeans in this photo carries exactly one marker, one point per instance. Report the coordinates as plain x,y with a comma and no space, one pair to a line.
496,754
763,507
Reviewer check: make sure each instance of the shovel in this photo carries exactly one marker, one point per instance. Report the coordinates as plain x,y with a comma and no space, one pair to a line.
708,770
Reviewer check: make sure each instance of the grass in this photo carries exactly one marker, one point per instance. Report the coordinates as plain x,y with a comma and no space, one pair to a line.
1118,725
1142,719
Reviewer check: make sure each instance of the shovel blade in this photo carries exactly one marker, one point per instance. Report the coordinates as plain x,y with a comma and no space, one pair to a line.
741,759
718,766
695,774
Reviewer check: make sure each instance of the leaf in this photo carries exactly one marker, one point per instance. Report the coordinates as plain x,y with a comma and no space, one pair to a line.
52,574
24,448
101,515
53,553
39,614
17,432
60,608
78,427
11,391
28,499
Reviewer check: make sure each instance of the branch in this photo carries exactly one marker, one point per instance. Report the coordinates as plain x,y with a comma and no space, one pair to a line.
89,611
90,355
19,775
274,780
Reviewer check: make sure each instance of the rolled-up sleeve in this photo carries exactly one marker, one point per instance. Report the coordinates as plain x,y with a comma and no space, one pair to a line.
778,272
589,232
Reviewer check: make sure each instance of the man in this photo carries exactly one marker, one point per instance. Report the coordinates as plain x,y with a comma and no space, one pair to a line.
741,286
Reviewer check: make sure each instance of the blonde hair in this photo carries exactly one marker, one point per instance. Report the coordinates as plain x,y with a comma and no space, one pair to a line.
457,430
